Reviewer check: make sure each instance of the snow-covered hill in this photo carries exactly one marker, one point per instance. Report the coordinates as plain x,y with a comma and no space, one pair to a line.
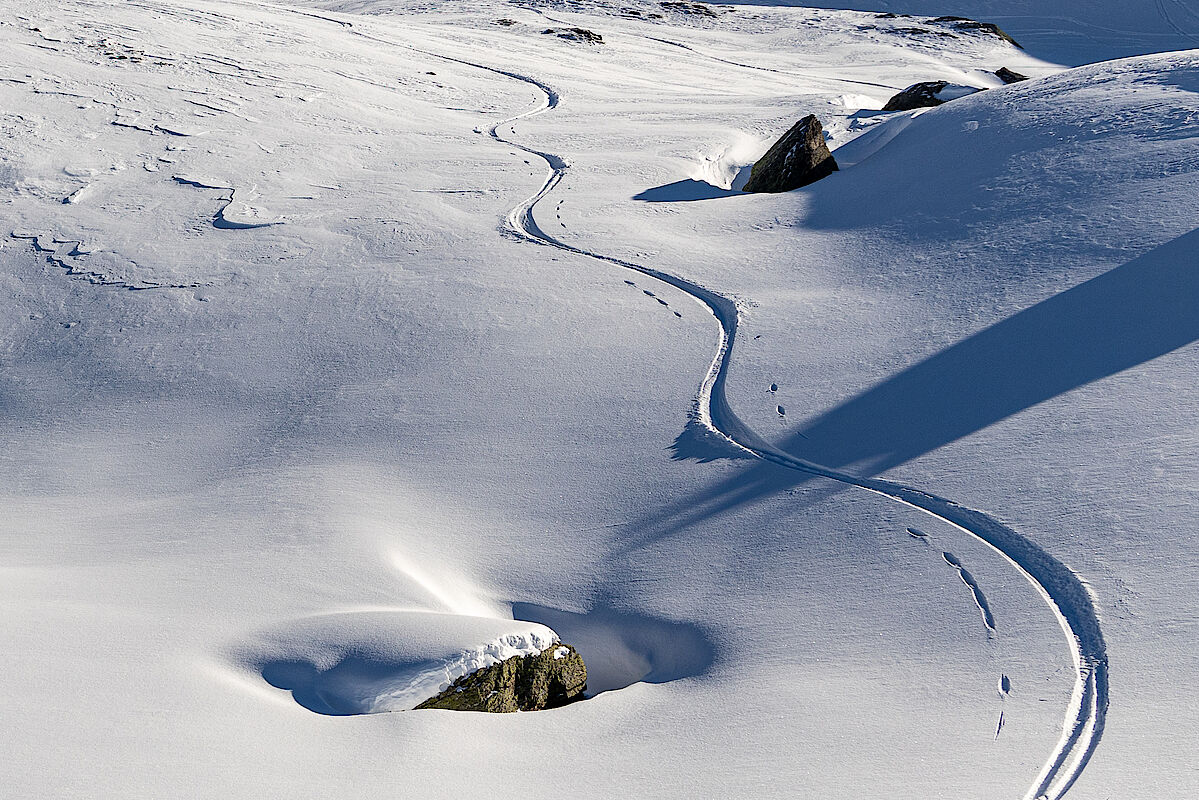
348,342
1067,31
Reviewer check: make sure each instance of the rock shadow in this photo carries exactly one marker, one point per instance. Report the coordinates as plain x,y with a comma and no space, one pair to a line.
302,679
621,649
685,191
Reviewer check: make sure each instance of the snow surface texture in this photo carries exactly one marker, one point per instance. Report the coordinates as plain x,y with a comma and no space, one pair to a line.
345,436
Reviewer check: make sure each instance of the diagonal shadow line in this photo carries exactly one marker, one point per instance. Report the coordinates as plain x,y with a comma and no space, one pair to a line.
1141,310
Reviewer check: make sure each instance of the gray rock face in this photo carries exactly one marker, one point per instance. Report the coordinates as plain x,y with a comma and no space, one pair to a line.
964,24
927,94
554,677
798,158
1009,75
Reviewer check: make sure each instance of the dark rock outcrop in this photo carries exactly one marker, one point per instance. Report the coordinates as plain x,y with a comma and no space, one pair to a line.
581,35
1009,76
695,9
926,95
632,13
910,31
798,158
964,24
554,677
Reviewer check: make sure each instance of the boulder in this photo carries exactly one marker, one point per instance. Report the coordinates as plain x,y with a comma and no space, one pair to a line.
927,94
798,158
554,677
1009,75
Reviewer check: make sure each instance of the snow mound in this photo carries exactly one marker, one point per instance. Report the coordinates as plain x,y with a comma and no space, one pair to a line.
1023,153
727,167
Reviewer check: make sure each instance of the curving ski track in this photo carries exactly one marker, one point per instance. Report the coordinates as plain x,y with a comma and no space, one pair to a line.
1063,591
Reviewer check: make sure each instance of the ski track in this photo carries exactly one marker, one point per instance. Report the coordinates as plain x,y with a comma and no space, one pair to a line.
1067,596
1165,15
1063,591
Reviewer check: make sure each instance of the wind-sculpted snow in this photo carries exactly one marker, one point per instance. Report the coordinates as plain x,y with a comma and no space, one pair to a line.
236,213
99,268
383,435
1063,591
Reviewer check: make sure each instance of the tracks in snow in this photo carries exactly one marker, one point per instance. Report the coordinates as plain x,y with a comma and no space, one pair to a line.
1165,15
1062,590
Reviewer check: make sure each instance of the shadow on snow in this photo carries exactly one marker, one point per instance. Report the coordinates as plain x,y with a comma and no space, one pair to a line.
1141,310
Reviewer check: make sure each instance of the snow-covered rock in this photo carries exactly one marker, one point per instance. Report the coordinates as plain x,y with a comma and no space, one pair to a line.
372,662
927,94
533,682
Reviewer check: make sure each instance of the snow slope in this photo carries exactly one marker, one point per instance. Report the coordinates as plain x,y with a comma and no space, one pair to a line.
297,412
1067,31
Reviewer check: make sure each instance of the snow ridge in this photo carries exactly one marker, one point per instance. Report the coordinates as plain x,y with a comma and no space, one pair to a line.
67,254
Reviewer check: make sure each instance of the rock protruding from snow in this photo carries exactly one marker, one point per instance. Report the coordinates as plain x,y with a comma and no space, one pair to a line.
927,94
695,9
965,24
554,677
1009,75
580,35
798,158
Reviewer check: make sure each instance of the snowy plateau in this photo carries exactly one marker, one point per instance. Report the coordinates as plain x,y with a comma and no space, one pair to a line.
350,346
